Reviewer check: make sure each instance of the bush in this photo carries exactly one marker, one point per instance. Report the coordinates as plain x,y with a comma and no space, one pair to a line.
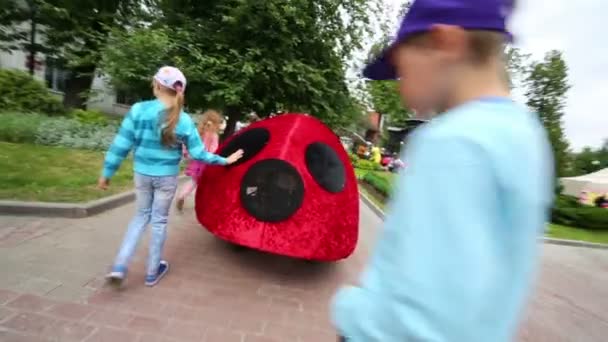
367,165
565,201
23,93
380,183
567,211
353,158
75,134
59,131
20,127
90,116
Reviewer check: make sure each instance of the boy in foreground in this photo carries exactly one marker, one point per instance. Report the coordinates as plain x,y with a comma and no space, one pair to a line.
459,248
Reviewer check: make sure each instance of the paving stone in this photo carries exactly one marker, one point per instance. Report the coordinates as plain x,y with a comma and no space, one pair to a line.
30,323
112,335
69,331
70,293
222,335
147,324
71,311
109,318
185,331
33,303
39,286
14,336
7,295
6,313
258,338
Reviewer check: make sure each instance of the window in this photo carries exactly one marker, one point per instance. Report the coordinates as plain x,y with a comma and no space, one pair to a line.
54,75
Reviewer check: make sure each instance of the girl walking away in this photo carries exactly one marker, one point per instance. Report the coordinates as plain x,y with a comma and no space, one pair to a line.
155,131
208,129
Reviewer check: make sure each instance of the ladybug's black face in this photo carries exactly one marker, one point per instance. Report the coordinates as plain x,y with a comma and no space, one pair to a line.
272,190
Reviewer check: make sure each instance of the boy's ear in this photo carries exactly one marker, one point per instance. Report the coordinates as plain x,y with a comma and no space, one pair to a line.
448,38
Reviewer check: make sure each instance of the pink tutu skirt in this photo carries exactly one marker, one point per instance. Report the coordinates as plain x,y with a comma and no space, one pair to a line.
195,169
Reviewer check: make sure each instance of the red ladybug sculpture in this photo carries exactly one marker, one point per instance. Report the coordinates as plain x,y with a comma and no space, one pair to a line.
293,193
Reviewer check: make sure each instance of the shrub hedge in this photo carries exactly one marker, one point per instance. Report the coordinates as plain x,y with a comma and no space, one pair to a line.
23,93
567,211
379,182
56,131
20,128
367,165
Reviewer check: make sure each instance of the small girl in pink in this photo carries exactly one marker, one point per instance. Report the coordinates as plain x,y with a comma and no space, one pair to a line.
208,128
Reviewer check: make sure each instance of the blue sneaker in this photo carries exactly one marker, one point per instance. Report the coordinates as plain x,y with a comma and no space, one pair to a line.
117,276
163,268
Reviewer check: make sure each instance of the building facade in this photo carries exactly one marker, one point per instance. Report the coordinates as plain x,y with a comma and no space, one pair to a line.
103,97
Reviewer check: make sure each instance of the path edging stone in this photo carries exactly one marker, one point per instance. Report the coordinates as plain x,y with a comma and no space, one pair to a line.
68,210
573,243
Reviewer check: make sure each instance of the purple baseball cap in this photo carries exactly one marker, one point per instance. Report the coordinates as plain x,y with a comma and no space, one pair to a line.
491,15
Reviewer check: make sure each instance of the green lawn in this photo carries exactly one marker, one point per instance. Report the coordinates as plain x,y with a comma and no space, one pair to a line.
554,231
55,174
570,233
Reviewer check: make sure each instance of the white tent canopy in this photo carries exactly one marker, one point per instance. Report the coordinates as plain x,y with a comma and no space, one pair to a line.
596,182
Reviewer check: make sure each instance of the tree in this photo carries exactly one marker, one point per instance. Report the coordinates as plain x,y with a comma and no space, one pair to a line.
252,55
547,85
386,100
384,95
603,154
587,161
590,160
517,65
74,32
20,30
77,32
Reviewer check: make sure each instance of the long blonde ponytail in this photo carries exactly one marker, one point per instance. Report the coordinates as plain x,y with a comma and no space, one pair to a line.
168,133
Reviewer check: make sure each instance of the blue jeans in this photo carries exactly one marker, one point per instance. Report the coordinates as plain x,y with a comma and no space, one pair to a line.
153,200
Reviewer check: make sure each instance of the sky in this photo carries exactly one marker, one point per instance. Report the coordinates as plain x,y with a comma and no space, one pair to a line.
566,25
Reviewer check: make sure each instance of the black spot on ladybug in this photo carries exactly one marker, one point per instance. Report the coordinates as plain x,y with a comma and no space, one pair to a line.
251,141
325,167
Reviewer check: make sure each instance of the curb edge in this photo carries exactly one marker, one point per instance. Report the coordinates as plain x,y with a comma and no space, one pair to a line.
68,210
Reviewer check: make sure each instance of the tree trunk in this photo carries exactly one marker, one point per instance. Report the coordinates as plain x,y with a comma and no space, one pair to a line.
234,115
32,48
77,87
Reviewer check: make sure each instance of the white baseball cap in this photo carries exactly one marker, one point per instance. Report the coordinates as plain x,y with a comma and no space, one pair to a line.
172,78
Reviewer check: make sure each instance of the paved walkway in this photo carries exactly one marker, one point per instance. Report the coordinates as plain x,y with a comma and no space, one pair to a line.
52,270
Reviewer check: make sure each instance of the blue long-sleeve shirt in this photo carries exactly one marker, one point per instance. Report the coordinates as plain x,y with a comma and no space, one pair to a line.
458,250
140,131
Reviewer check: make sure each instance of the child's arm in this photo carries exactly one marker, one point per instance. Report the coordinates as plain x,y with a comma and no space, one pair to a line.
197,150
121,146
185,152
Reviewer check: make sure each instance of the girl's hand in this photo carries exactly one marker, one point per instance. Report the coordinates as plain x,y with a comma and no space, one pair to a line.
234,157
103,183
